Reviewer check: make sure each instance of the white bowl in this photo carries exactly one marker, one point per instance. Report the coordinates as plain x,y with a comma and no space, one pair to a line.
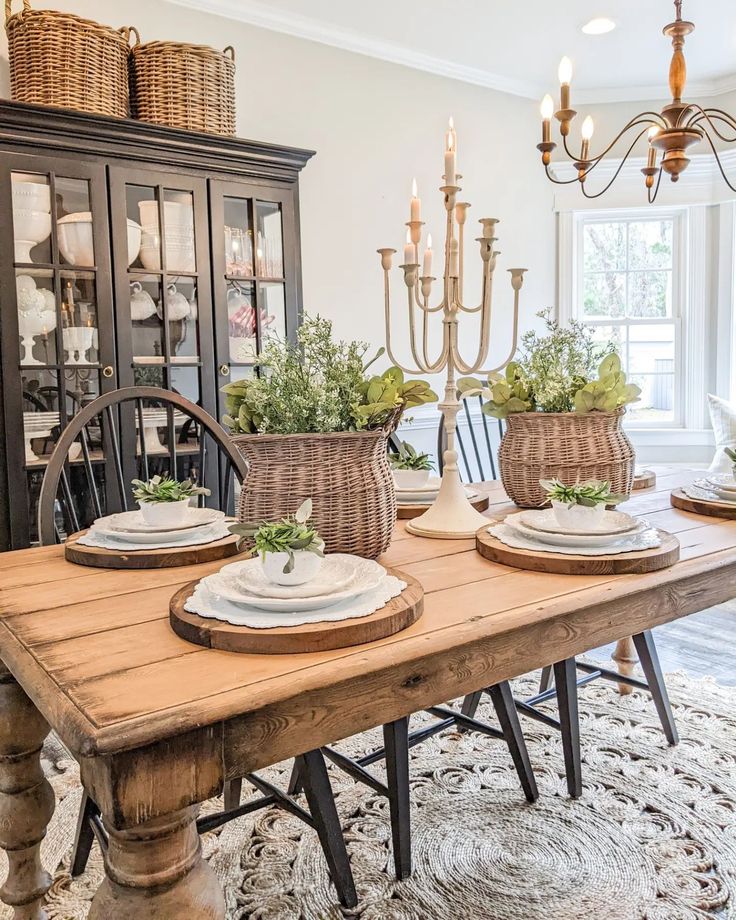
32,196
178,258
306,566
30,228
176,213
76,240
410,479
164,513
579,517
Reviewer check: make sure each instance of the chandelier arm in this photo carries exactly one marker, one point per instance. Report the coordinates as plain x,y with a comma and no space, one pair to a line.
711,116
389,348
424,366
560,181
485,324
643,118
652,195
616,174
718,161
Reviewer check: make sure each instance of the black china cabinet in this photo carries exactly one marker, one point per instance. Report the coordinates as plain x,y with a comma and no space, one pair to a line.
131,254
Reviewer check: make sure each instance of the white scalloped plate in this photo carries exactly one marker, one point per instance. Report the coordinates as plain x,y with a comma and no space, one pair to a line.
567,540
545,521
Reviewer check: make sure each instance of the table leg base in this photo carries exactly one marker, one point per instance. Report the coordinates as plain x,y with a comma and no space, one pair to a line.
626,659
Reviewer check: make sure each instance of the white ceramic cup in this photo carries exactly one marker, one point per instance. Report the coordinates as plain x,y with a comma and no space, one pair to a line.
163,514
306,567
410,479
579,517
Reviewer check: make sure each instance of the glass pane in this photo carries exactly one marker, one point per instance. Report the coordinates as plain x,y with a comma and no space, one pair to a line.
650,294
607,335
181,312
273,309
604,295
149,376
241,322
650,244
79,327
238,238
74,222
179,231
604,247
269,240
144,241
37,316
657,400
31,217
145,315
651,349
185,382
41,415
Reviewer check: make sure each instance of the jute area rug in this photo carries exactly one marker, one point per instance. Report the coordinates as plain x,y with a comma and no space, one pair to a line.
653,838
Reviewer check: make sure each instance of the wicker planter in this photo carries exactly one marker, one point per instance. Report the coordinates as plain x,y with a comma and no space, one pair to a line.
62,60
346,474
564,445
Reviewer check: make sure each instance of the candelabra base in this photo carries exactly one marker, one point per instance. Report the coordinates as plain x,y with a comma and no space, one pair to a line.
451,517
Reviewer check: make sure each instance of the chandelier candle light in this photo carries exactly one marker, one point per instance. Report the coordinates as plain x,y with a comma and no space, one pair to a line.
451,516
673,131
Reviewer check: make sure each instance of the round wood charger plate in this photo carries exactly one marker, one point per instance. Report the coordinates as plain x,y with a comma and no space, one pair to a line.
414,509
680,499
637,563
147,558
398,613
646,479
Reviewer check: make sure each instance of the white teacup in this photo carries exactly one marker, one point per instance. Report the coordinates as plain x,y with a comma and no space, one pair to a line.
579,517
164,514
306,567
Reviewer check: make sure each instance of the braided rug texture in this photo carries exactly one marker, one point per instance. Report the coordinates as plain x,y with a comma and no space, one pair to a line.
653,837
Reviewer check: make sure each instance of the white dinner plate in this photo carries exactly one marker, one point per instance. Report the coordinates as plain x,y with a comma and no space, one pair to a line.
431,485
132,521
545,521
151,538
571,540
421,497
723,481
338,570
226,584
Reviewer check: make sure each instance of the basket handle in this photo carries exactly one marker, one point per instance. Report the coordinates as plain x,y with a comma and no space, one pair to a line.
229,50
9,8
126,31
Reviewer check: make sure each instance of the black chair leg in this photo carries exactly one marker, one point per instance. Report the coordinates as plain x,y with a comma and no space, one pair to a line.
295,782
471,703
396,743
546,680
84,837
567,698
232,793
649,660
503,702
313,774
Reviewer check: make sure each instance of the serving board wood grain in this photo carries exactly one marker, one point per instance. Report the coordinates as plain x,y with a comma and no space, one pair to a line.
414,509
147,558
680,499
646,479
399,613
638,563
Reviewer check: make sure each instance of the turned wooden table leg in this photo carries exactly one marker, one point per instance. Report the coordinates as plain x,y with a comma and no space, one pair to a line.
626,658
156,872
26,800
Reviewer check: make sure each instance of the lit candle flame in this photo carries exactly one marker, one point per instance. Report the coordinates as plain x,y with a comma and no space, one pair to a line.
565,71
429,241
413,188
653,132
547,107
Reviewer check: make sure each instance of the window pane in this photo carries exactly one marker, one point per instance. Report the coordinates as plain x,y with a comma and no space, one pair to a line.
604,295
606,335
650,294
657,400
604,247
650,244
651,349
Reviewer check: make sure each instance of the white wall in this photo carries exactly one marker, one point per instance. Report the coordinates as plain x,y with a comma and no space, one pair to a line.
374,125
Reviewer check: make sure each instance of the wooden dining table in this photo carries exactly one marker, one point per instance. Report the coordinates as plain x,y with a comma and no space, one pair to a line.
157,724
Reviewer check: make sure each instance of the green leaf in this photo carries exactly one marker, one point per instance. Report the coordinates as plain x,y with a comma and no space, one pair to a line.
611,364
304,512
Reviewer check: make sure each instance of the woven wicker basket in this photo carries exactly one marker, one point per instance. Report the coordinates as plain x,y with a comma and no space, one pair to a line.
564,445
346,474
61,60
184,86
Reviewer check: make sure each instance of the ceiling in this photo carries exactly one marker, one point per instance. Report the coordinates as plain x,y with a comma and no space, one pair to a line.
515,46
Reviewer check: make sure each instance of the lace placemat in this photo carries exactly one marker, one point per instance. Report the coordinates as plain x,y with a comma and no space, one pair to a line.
647,539
700,490
217,531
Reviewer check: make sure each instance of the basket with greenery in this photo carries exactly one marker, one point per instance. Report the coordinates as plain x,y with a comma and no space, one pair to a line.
314,423
563,400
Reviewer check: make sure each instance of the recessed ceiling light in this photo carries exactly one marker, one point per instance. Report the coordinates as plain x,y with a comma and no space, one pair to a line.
599,26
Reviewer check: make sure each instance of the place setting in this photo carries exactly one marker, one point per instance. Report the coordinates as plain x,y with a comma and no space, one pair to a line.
290,596
416,488
713,494
582,532
166,530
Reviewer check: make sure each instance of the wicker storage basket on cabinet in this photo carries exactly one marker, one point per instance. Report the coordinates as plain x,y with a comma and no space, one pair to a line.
566,446
184,86
62,60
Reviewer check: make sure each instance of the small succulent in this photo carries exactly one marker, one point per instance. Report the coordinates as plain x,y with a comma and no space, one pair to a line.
160,489
408,459
285,536
589,494
386,395
610,391
731,454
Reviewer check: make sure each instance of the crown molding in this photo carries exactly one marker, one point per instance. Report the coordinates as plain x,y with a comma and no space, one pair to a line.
262,15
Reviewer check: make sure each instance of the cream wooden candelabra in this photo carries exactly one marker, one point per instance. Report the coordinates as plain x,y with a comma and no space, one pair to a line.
451,515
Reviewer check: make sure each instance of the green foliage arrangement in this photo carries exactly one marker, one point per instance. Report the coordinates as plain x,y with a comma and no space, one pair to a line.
562,371
160,489
408,459
285,536
318,386
590,493
731,454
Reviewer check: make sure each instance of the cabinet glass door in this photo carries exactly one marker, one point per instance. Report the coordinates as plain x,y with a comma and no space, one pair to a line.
58,332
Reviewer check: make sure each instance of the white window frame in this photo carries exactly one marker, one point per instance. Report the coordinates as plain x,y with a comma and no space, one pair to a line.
570,281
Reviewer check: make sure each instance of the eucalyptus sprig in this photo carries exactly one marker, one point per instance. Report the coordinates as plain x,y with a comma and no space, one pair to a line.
731,454
589,494
408,459
288,535
161,489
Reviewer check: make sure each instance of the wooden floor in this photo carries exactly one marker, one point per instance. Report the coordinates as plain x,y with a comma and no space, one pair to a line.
703,644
